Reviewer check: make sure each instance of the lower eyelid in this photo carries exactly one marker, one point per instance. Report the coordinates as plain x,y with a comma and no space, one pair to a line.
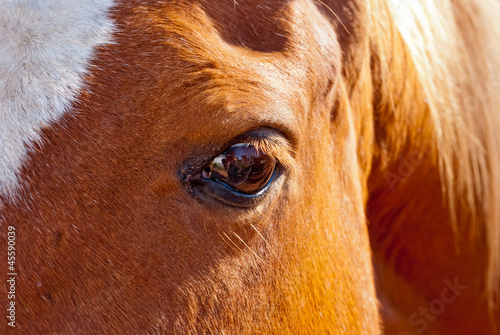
215,190
230,197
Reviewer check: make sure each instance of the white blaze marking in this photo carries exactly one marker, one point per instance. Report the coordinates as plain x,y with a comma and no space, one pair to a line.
45,49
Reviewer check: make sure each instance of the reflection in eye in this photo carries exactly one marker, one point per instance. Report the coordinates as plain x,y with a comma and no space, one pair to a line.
242,167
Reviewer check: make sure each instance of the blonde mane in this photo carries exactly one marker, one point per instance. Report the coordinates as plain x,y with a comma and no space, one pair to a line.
453,48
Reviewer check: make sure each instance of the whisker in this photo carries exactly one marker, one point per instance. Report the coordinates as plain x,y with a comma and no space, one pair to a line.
258,232
335,14
238,249
246,245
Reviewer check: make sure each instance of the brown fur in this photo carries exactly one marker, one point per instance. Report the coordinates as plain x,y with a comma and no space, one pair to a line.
111,241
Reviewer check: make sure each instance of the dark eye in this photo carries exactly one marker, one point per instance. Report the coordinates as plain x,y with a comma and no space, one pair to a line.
243,168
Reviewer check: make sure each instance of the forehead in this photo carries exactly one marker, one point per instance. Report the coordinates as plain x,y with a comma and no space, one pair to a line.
200,67
220,64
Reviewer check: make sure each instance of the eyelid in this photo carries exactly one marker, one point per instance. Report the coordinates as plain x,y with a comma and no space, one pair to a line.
274,146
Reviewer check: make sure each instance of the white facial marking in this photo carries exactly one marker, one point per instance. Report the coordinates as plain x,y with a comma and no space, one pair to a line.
46,47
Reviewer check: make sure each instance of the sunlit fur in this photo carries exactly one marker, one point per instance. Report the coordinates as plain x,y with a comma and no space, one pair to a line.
452,46
458,68
440,58
390,173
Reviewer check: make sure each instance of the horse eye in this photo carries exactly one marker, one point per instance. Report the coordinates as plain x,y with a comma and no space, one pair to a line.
243,168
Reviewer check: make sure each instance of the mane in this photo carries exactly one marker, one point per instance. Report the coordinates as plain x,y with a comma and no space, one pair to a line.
453,48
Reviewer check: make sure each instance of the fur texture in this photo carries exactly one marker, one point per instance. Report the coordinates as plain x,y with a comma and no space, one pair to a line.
46,47
118,236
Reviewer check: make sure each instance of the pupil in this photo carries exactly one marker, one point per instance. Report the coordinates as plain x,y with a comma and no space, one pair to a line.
243,168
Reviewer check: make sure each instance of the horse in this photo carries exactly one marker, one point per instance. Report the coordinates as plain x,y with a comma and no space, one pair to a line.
250,167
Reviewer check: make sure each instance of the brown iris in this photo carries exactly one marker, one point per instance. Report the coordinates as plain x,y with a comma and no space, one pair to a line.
242,167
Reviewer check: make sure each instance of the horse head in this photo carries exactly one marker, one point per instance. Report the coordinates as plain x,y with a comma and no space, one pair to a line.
248,167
